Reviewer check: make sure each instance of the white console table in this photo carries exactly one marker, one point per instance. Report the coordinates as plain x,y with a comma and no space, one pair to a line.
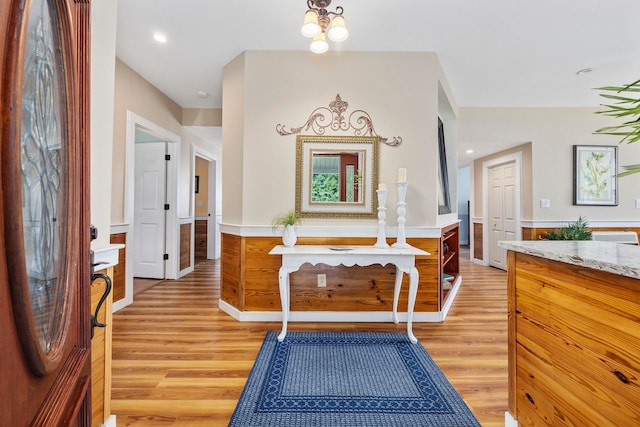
403,259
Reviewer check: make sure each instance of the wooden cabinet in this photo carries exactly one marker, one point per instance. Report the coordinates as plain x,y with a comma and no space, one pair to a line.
574,344
449,260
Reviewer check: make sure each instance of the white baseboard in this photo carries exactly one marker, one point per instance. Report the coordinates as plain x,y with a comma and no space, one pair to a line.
122,303
111,422
480,262
452,295
327,316
509,421
186,271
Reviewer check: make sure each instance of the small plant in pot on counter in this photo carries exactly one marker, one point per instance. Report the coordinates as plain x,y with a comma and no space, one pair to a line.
578,230
287,222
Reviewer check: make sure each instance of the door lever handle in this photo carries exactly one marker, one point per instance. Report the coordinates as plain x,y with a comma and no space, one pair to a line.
94,316
95,276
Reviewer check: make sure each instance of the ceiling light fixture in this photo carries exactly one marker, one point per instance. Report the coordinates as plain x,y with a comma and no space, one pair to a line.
316,22
159,37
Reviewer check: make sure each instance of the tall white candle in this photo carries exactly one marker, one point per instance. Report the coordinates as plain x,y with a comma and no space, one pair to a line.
382,186
402,174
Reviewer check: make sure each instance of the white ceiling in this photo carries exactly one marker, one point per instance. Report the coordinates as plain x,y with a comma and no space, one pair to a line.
495,53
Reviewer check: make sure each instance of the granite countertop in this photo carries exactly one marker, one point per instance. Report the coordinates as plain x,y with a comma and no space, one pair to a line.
617,258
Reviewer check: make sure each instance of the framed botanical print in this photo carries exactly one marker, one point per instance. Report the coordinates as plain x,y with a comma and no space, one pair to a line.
595,169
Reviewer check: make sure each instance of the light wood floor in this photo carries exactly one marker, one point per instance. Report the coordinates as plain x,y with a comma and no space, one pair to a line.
179,361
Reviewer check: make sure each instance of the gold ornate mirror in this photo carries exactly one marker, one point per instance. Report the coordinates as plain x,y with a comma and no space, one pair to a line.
336,176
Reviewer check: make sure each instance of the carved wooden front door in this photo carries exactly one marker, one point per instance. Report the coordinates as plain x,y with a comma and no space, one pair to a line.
44,214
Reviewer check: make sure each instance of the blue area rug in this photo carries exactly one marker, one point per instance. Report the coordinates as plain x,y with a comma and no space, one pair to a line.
347,379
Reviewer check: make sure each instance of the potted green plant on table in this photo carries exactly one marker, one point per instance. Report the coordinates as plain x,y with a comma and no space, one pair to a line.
287,222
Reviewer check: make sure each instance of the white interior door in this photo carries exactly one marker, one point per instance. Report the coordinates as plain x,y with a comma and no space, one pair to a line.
496,258
149,212
503,211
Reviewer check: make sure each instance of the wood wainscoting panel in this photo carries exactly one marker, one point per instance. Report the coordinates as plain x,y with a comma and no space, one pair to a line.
200,245
477,241
231,285
119,281
429,298
252,285
260,273
185,246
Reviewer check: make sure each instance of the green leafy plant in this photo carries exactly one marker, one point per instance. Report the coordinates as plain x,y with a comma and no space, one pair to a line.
625,104
289,218
325,188
578,230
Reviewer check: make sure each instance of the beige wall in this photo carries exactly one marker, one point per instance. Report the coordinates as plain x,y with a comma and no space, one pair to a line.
103,53
262,89
399,91
526,189
202,117
133,93
233,124
190,139
552,133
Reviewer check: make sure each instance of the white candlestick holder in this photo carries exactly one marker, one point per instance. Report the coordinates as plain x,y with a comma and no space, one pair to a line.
401,241
382,214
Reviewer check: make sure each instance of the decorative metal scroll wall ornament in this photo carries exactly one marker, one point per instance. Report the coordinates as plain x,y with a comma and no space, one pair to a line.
359,120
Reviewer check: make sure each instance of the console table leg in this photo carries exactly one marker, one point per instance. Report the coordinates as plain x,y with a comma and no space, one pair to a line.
413,291
396,294
283,281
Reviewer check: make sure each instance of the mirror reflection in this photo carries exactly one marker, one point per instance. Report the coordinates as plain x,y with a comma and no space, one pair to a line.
336,176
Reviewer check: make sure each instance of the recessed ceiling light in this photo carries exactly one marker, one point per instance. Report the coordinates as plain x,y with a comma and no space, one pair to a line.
469,151
159,37
203,94
584,71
